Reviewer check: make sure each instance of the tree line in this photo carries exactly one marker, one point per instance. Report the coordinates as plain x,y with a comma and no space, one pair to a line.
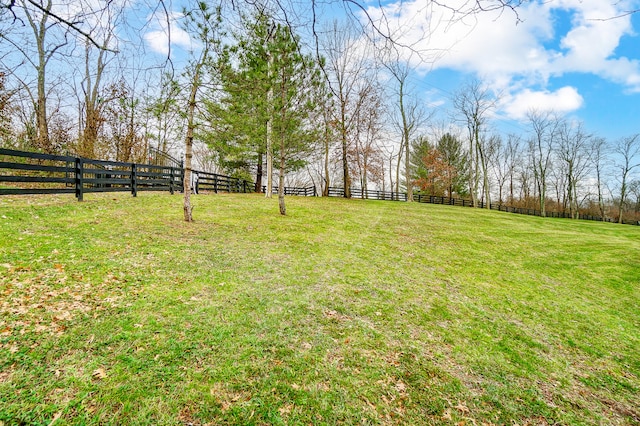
260,90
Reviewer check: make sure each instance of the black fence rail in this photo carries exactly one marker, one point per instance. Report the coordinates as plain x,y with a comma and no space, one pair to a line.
213,182
368,194
435,199
34,173
461,202
309,191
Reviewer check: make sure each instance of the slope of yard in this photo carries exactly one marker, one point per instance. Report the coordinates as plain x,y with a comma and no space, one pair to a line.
114,311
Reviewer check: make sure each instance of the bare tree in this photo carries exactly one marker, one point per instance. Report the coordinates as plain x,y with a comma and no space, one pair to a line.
501,164
628,150
408,114
328,135
206,23
6,111
94,100
346,70
526,179
634,189
544,127
557,181
573,151
512,156
37,51
599,153
473,105
366,155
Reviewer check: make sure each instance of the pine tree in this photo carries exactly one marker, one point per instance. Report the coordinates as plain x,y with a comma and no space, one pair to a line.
268,91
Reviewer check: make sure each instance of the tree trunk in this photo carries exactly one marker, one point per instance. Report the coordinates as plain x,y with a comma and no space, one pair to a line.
365,184
327,181
345,165
405,142
269,190
600,196
188,153
623,195
92,105
90,133
43,141
258,185
283,209
398,169
485,177
472,173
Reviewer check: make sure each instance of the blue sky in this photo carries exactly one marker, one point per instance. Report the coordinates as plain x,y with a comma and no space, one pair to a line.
565,55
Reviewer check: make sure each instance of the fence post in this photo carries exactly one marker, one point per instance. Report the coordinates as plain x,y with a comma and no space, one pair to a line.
182,172
134,180
171,180
79,169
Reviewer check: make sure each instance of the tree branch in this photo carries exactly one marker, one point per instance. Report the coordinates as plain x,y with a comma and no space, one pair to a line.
73,25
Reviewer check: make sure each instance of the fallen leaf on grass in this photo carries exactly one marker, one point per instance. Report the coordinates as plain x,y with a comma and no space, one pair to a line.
462,408
285,409
447,415
99,374
56,417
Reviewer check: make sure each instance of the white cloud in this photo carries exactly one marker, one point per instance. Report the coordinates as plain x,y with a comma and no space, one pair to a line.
166,33
564,100
492,46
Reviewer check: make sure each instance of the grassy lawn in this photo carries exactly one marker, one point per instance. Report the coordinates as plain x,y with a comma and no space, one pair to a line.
114,311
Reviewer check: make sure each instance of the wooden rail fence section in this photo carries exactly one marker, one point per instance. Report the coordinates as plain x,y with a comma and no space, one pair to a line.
33,173
434,199
309,191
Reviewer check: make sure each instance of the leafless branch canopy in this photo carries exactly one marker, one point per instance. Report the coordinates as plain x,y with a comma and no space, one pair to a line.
73,25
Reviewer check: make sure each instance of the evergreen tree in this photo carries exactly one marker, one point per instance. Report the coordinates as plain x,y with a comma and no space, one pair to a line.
454,155
420,148
268,94
440,169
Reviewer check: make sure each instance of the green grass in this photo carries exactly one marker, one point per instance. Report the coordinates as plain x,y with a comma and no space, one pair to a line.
115,311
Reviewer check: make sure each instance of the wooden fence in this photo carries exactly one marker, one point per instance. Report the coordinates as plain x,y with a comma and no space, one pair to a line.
221,183
434,199
369,194
309,191
34,173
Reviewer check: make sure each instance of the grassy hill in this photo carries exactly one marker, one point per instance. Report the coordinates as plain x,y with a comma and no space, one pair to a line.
114,311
